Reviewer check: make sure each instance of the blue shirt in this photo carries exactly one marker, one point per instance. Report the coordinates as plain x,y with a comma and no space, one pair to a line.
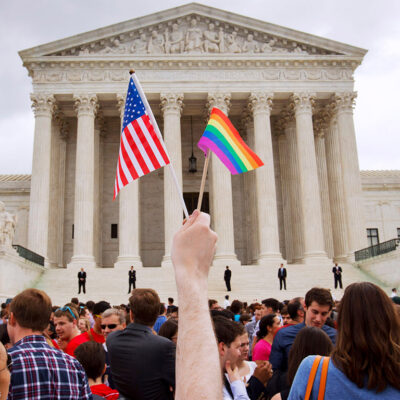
41,372
283,342
338,386
160,320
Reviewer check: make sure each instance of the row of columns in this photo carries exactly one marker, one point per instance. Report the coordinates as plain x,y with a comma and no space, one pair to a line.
320,183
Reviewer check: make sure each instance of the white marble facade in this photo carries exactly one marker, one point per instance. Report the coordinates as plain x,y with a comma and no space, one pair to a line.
290,94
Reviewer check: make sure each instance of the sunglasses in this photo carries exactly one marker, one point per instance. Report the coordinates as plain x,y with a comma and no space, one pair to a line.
67,309
9,364
110,326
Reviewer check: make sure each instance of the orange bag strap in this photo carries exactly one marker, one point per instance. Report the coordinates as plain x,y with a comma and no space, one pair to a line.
324,374
311,378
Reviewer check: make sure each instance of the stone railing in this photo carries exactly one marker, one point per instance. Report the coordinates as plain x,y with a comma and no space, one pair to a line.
29,255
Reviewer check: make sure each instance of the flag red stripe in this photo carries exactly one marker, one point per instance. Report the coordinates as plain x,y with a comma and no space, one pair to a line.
148,148
146,145
122,175
128,161
156,140
134,148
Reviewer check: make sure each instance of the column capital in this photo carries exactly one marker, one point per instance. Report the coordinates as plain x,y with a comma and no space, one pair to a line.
260,102
121,104
43,104
86,104
344,101
303,102
171,102
221,100
62,123
321,123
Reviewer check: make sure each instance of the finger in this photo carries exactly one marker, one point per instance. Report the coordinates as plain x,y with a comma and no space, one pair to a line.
192,218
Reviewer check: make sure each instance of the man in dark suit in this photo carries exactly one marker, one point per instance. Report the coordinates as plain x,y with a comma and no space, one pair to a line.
132,279
142,364
282,276
227,278
337,273
82,281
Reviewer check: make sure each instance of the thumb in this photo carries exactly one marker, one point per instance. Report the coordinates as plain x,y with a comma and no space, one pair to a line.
187,223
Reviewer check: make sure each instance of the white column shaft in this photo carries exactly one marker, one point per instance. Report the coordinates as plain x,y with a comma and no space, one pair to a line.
265,180
173,214
286,204
86,106
357,237
336,199
221,196
309,186
324,193
38,231
129,218
294,190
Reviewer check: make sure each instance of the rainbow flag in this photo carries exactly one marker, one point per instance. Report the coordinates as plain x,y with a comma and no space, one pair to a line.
224,140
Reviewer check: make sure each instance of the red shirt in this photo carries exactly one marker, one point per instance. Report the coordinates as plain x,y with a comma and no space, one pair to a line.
105,391
74,343
94,336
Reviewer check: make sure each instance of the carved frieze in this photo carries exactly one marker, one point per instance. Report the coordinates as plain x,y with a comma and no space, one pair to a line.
193,35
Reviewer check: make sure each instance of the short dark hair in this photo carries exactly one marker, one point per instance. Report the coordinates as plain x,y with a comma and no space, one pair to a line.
245,317
168,328
90,305
92,357
32,309
226,330
100,307
272,303
75,300
145,306
211,302
293,307
170,299
236,306
224,313
320,295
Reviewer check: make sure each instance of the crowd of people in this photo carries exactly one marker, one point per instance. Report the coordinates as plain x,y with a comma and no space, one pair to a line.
298,349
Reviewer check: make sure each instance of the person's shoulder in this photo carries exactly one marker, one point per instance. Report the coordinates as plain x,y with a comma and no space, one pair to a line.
329,330
289,330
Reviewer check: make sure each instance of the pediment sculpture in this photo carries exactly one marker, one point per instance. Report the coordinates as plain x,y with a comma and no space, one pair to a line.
193,36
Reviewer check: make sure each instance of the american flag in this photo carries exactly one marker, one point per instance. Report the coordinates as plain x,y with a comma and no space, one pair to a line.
141,151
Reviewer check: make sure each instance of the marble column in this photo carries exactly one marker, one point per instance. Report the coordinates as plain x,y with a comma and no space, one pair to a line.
260,105
357,237
314,246
319,141
221,206
285,188
251,198
293,176
129,216
86,106
43,106
171,106
336,198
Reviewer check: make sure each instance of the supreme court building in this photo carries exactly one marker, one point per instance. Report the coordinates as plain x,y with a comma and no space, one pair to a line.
289,94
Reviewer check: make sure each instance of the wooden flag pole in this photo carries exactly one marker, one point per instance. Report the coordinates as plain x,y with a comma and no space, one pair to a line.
203,180
157,129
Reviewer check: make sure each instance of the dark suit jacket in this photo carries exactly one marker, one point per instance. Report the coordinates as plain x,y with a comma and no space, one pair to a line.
281,274
227,274
82,275
132,276
142,364
337,269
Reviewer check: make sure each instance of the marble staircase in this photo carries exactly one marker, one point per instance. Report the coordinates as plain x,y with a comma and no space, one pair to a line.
249,283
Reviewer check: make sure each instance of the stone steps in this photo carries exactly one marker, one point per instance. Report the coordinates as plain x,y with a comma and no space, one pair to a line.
249,283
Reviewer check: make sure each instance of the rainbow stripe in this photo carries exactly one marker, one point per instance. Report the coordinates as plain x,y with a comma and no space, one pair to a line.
223,139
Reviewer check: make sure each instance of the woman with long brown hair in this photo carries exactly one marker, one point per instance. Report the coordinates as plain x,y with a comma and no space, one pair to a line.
365,362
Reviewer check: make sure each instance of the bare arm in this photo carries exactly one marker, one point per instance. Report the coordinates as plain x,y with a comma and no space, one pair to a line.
198,370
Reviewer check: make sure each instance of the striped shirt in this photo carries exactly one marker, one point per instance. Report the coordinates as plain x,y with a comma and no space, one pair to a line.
42,372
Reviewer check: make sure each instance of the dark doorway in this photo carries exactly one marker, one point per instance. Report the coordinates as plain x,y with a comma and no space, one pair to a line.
191,202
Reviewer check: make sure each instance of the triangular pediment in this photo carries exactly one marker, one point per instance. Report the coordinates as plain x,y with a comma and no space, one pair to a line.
192,29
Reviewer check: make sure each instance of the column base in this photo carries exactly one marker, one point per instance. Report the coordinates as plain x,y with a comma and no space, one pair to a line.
82,262
125,262
340,259
316,258
350,258
166,261
268,259
229,260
